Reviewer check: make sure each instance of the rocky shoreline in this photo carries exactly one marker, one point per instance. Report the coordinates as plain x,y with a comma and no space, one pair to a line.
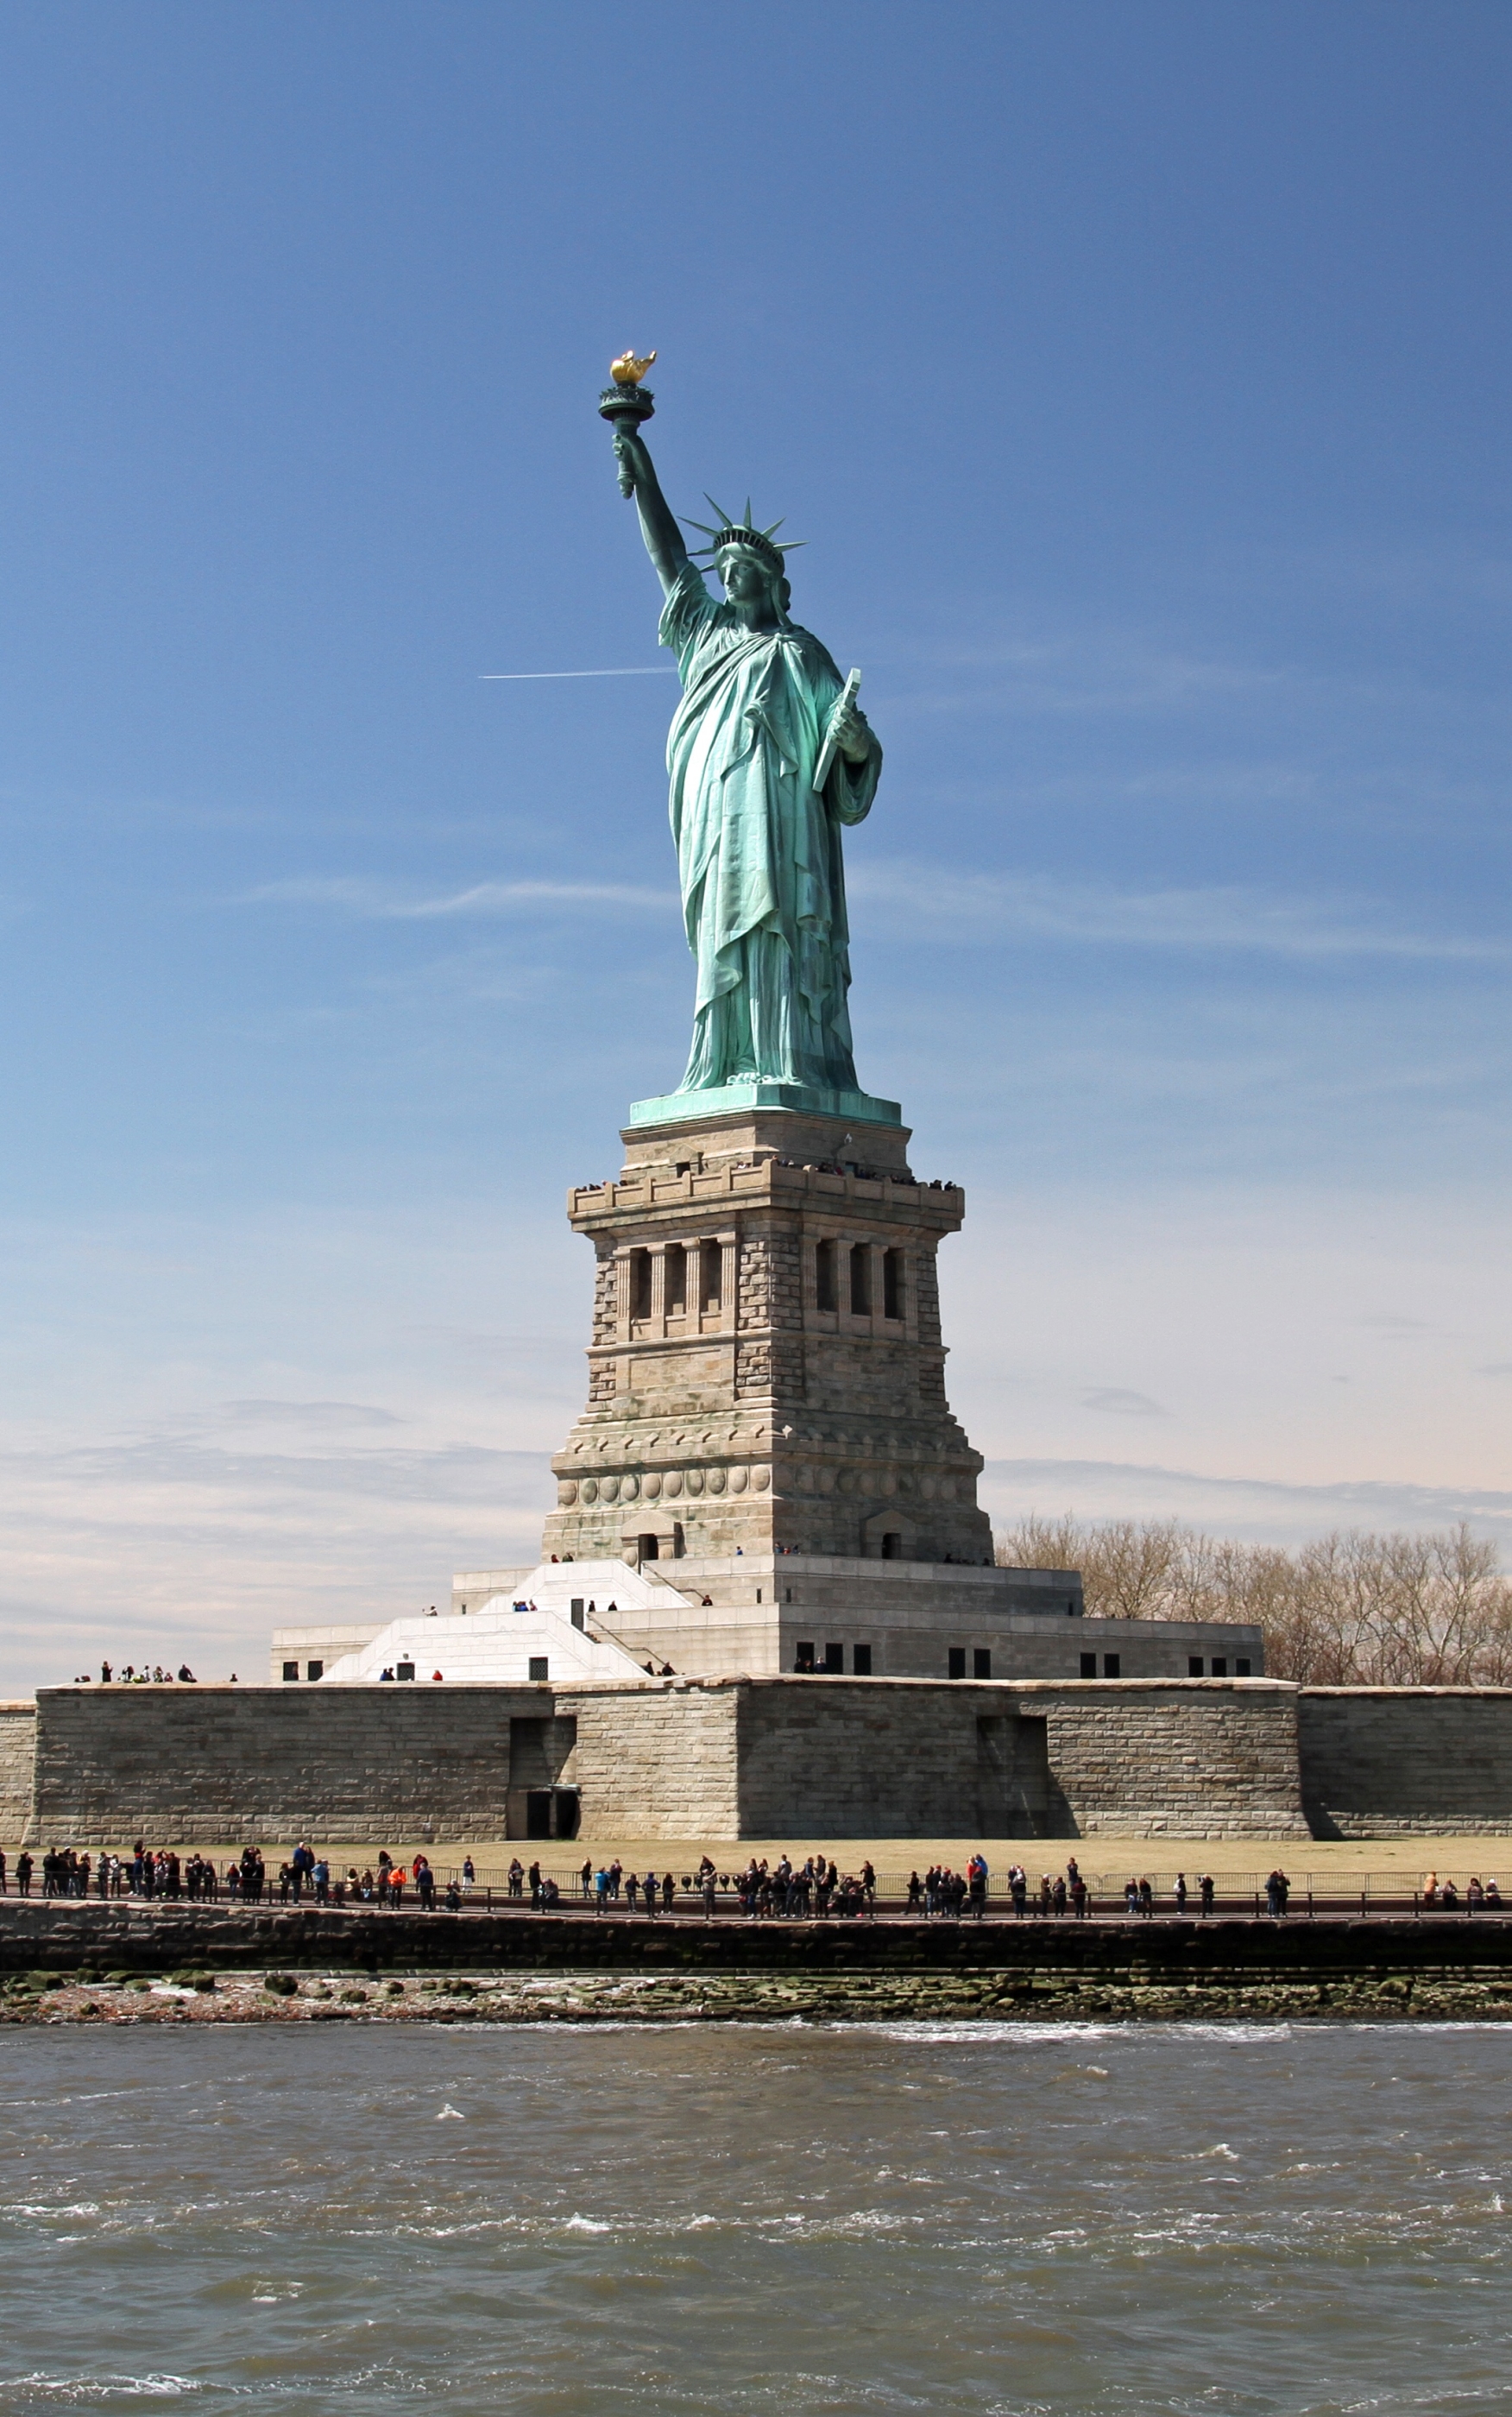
71,1961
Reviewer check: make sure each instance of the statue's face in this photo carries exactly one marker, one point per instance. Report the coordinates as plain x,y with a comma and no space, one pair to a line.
747,580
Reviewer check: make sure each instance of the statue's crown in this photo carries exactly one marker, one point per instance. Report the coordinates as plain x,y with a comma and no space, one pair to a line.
758,540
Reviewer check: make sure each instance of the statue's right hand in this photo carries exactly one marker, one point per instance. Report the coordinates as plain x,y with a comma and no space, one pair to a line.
633,459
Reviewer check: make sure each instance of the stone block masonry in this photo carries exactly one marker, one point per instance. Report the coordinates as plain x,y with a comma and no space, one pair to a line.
766,1369
17,1765
658,1763
800,1757
897,1758
218,1765
1378,1761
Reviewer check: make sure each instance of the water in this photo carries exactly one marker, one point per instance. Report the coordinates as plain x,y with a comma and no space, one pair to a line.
990,2219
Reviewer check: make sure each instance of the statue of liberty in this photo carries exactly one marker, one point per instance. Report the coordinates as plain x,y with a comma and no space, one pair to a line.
768,755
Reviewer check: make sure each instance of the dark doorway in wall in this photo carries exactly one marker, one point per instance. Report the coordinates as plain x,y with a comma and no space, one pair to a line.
568,1810
804,1659
981,1662
539,1812
834,1660
861,1661
958,1662
892,1545
892,1283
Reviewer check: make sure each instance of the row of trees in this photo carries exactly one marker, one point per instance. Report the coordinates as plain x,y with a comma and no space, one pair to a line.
1346,1610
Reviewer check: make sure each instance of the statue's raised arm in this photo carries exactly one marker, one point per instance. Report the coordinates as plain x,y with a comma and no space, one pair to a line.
658,525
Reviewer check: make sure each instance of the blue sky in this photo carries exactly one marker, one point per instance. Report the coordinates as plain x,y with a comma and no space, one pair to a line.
1140,379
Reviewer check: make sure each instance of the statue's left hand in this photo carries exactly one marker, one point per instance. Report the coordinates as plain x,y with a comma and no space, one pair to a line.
852,736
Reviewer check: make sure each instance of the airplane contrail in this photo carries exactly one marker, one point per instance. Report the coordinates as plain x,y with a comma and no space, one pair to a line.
630,671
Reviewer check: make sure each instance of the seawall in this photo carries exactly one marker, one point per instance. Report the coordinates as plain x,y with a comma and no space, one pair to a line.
581,1969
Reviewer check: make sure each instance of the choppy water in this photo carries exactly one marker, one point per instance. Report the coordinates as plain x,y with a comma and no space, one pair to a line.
985,2219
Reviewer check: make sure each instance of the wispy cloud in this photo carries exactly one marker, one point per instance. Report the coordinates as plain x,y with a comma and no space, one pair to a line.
1256,1508
1094,672
996,906
368,900
336,1416
1122,1402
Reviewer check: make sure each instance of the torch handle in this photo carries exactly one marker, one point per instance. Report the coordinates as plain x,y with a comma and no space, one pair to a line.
625,407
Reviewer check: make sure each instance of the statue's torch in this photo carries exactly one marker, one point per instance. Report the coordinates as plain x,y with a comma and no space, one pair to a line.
627,402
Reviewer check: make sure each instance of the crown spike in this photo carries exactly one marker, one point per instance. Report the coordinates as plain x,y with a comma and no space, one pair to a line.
725,521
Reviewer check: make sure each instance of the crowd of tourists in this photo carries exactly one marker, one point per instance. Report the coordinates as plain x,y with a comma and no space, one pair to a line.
815,1890
305,1877
129,1675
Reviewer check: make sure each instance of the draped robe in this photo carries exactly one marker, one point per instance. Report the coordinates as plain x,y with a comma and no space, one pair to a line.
758,853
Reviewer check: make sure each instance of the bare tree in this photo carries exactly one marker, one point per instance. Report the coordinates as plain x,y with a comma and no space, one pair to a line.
1349,1609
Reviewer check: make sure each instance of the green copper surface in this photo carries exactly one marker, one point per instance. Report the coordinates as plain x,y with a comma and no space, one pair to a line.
755,1091
759,853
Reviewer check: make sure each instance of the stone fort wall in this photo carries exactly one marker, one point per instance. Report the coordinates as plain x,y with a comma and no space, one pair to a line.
17,1765
228,1764
796,1758
1196,1758
1379,1761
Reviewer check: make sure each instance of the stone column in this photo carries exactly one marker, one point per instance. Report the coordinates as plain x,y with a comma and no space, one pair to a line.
876,1252
729,1288
658,1289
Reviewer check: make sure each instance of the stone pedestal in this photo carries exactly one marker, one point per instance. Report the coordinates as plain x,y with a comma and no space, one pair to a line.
766,1373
